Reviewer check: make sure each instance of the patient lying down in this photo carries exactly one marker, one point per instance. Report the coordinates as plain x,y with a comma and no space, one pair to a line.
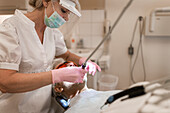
68,89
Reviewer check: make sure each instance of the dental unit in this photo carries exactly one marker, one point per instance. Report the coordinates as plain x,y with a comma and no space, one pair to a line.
140,90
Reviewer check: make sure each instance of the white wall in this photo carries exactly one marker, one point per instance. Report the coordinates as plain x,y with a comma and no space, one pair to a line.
156,50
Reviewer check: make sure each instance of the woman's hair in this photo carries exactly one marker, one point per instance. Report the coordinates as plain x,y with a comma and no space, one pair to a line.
37,4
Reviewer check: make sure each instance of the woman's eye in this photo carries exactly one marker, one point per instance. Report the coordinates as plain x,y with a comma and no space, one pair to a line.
63,10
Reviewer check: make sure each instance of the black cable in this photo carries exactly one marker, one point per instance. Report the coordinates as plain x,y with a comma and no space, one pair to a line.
134,31
133,66
141,29
141,35
130,92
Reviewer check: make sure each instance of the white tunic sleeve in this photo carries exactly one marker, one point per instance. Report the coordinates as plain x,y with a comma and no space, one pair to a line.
10,52
59,43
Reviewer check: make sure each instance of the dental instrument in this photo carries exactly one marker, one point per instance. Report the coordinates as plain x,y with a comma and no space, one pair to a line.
131,92
139,90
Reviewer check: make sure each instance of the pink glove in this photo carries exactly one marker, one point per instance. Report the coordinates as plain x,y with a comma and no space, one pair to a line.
69,74
90,66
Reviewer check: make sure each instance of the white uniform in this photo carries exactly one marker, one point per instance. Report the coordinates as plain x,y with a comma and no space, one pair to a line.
21,50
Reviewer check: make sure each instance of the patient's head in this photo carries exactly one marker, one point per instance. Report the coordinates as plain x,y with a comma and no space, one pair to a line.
66,64
68,89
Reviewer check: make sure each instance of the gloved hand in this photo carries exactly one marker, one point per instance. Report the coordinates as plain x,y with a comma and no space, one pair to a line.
91,67
69,74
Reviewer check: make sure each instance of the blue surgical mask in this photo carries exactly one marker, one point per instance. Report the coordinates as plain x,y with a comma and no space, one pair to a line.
54,21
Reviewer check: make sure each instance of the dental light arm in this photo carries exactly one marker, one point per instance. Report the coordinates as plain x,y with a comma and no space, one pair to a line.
109,32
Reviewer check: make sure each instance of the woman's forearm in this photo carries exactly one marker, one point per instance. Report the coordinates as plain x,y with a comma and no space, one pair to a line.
68,56
74,58
12,82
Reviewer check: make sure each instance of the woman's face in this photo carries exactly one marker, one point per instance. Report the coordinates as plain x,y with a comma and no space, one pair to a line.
63,12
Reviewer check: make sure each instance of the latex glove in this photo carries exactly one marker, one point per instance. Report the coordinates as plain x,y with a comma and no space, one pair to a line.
91,67
69,74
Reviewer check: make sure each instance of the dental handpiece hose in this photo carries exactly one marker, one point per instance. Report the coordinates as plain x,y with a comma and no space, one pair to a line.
108,34
131,92
139,90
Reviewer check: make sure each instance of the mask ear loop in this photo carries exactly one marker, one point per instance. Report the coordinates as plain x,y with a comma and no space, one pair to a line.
45,11
45,15
52,6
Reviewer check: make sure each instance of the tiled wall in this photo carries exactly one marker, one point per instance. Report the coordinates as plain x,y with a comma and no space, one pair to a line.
91,27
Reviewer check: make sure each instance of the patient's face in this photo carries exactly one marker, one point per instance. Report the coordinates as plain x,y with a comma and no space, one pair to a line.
71,64
69,89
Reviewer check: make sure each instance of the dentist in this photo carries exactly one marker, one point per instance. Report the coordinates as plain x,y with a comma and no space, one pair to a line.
28,45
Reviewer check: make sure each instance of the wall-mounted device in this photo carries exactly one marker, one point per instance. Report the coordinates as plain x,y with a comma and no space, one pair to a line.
158,22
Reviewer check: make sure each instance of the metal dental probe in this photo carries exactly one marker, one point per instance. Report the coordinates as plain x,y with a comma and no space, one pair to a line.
108,34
